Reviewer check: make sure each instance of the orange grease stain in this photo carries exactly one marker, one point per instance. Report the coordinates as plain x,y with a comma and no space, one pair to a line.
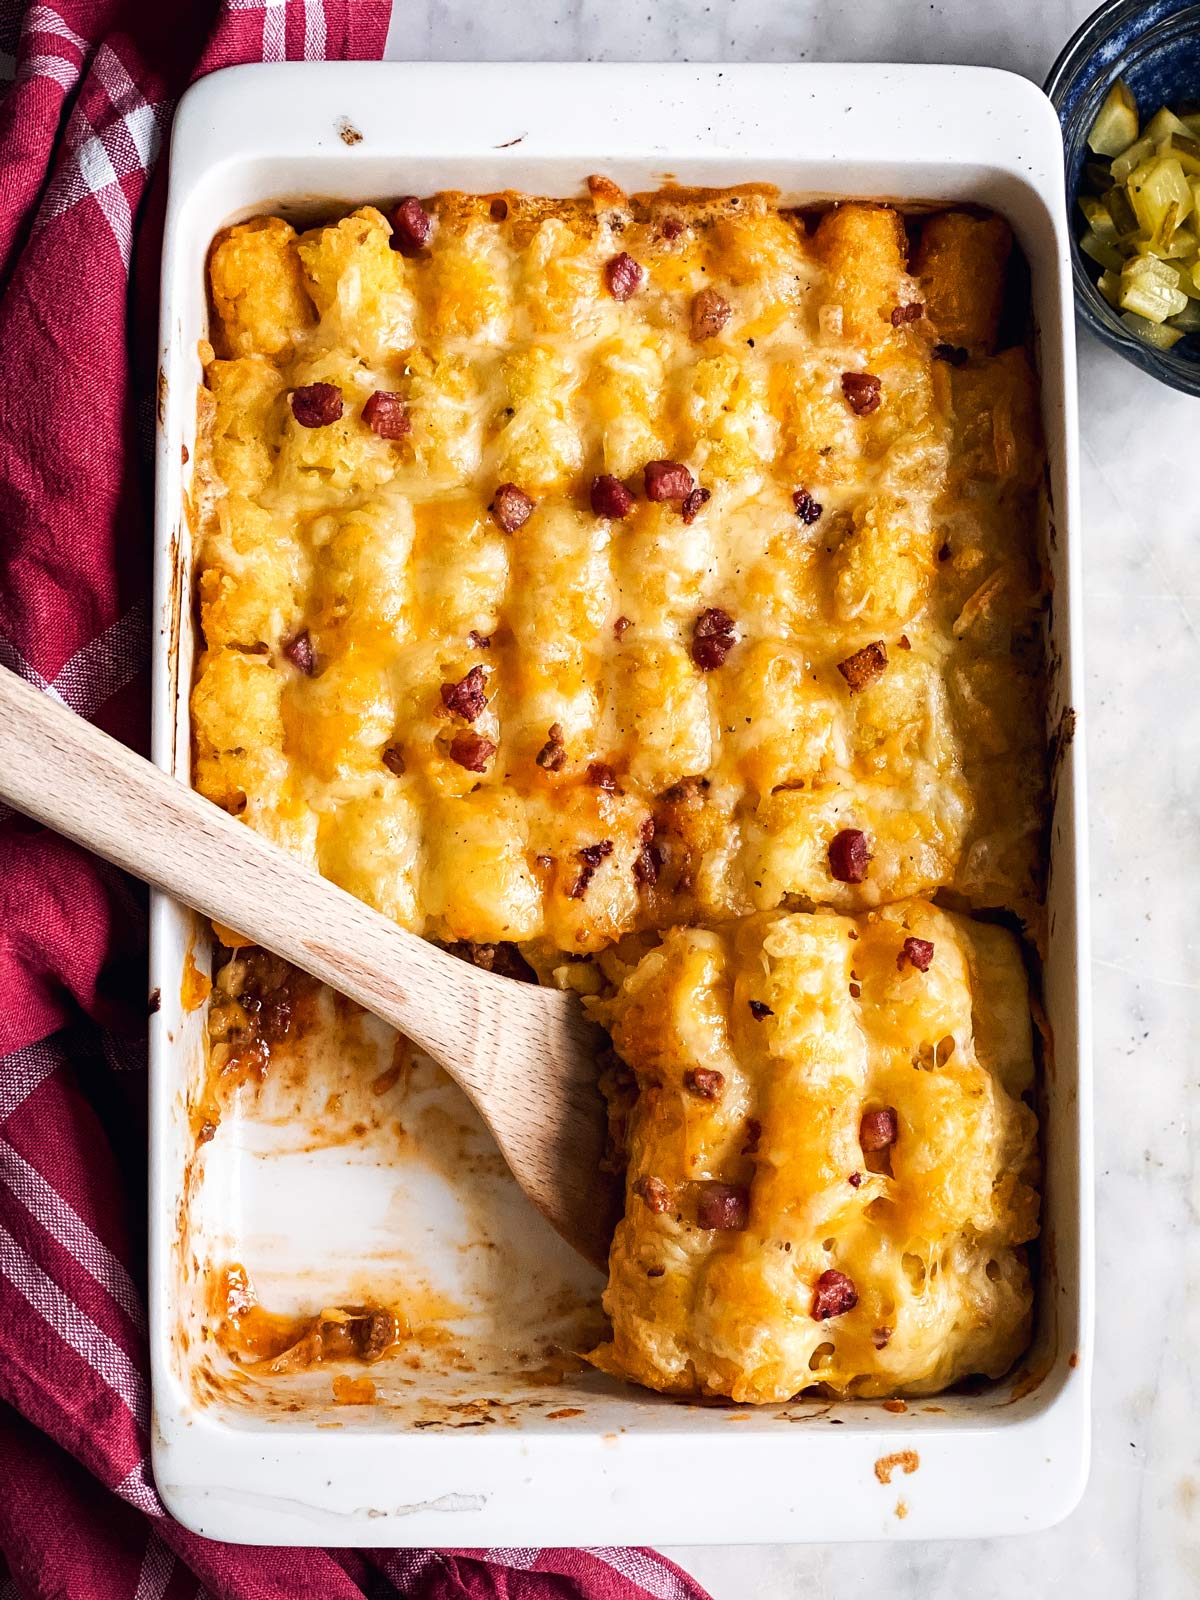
353,1391
196,985
907,1460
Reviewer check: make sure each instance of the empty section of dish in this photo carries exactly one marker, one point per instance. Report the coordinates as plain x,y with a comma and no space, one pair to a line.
348,1212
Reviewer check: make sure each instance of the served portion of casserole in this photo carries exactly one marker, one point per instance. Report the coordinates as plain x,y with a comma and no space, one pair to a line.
644,594
831,1171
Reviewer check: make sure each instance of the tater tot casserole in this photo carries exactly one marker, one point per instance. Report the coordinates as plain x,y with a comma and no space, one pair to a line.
642,594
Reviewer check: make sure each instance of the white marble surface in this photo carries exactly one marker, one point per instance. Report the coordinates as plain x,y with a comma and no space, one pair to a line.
1137,1532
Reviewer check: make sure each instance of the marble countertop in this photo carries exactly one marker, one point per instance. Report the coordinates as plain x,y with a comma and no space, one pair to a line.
1137,1531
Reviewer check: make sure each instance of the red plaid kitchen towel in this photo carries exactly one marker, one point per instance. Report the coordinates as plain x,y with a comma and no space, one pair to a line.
82,123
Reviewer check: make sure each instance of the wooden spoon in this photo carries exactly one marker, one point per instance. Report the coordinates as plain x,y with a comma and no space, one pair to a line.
524,1055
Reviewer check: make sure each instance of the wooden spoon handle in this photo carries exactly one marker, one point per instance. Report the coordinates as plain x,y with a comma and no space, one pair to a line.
58,769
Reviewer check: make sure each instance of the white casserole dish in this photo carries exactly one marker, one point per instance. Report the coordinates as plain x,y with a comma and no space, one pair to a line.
281,1463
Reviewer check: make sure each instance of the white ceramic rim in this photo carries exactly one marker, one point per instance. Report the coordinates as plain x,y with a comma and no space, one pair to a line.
248,136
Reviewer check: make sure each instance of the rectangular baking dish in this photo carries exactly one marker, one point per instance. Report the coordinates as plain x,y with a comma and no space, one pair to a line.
595,1463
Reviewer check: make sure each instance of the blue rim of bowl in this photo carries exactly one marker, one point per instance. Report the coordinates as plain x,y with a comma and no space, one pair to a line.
1088,65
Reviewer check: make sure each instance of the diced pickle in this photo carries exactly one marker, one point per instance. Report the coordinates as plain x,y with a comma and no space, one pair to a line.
1187,320
1141,150
1149,288
1109,285
1120,209
1184,149
1164,123
1153,333
1108,256
1116,127
1182,275
1154,187
1098,218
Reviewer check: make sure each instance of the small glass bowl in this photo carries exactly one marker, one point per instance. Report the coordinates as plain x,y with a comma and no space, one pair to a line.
1155,47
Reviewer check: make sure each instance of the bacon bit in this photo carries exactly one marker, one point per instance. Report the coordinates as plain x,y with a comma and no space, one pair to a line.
601,776
710,313
672,227
878,1130
866,665
622,626
848,856
299,652
855,991
316,405
723,1207
649,860
553,754
610,497
647,865
807,509
753,1135
591,856
913,311
917,951
511,508
623,276
654,1193
667,480
833,1294
880,1337
481,641
854,1180
472,751
944,551
953,353
712,638
862,391
468,697
411,227
385,415
393,760
693,502
686,789
705,1082
651,1272
760,1009
903,642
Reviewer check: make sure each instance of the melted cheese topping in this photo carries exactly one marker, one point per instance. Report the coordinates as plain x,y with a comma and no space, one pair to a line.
929,1231
713,795
517,365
